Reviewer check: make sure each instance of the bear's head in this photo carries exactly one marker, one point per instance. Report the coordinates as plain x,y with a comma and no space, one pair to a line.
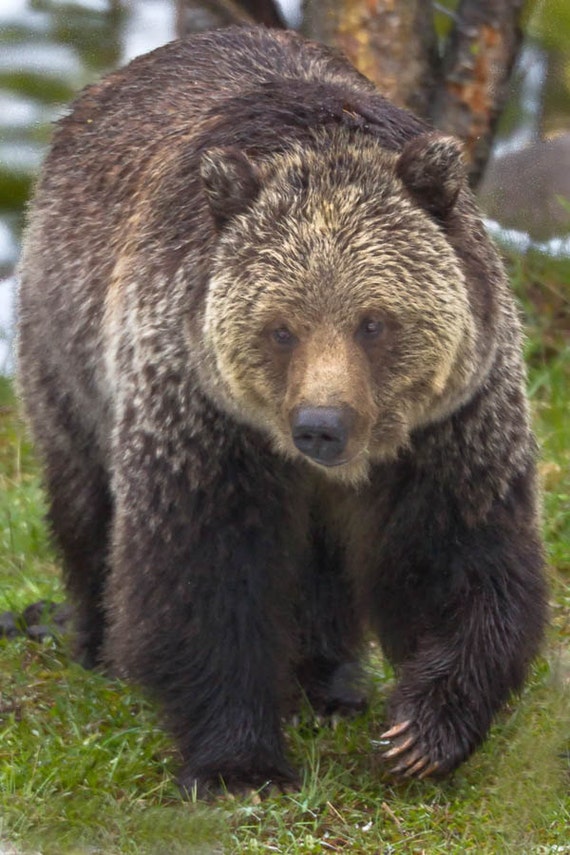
337,317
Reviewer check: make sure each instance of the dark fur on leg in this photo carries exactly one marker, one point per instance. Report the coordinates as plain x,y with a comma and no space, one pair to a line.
460,609
82,537
202,619
329,672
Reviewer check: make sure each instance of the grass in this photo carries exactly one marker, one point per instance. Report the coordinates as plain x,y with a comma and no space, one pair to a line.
85,767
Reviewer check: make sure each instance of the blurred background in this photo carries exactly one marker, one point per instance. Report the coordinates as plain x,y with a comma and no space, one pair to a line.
49,49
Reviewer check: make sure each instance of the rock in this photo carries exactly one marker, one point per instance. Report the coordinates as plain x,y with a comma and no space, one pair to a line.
9,625
522,189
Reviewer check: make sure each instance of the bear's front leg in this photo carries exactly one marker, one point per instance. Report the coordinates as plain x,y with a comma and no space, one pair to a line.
460,610
198,599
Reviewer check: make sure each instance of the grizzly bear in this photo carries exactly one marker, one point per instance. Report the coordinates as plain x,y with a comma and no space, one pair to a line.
273,368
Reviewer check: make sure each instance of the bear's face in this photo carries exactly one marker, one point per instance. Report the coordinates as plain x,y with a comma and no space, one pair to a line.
337,316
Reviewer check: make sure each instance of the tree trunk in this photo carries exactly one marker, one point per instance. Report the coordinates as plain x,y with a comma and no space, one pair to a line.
392,42
476,69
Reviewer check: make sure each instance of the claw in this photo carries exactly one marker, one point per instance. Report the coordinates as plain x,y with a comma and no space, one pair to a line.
407,762
417,767
400,749
396,730
433,767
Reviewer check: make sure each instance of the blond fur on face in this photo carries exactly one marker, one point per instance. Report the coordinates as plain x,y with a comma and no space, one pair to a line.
331,243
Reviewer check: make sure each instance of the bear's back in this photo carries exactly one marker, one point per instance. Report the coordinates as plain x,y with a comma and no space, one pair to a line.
185,79
254,88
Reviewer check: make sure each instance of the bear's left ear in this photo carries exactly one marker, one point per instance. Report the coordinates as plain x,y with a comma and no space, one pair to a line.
231,182
432,169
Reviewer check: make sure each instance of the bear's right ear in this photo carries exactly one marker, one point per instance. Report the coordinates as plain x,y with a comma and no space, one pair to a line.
231,182
431,167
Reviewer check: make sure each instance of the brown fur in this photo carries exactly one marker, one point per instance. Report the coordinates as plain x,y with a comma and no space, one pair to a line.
273,365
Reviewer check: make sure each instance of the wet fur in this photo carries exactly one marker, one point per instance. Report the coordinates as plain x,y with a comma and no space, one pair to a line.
206,559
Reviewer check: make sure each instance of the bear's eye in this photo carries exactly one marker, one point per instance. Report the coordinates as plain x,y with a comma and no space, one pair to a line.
283,337
370,329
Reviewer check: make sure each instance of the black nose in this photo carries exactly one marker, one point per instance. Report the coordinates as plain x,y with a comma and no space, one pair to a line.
321,432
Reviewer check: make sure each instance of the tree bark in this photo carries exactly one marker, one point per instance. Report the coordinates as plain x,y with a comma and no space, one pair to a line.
392,42
476,68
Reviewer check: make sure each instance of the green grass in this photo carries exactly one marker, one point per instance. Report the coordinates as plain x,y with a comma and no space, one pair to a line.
85,767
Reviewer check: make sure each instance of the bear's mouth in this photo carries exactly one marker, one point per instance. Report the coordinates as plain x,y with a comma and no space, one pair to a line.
352,470
331,464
